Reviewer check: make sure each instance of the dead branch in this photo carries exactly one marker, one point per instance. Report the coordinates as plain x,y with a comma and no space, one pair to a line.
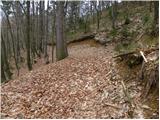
112,105
125,90
145,51
143,56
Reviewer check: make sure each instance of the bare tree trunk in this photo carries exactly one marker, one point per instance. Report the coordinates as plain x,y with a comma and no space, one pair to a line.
113,16
12,38
37,31
41,25
156,11
28,37
3,77
150,6
34,43
53,31
46,39
61,49
17,17
98,14
5,59
32,33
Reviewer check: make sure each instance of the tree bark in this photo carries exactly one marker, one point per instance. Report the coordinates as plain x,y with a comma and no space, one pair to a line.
41,26
61,48
5,59
12,39
53,31
46,57
28,37
113,15
156,12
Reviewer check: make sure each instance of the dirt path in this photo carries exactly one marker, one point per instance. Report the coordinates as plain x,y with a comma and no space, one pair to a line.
87,84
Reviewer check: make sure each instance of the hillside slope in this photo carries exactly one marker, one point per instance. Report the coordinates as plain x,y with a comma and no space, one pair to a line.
87,84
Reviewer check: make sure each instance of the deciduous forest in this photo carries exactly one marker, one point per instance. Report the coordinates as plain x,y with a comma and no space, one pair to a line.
79,59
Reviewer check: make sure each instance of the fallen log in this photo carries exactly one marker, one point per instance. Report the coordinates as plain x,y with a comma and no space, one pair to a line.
83,37
137,51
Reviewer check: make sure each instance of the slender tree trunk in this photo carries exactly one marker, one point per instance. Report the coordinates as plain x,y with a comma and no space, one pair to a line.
12,39
5,60
150,6
34,45
113,16
46,39
41,47
17,17
156,11
37,31
98,14
53,31
3,77
28,37
32,33
61,49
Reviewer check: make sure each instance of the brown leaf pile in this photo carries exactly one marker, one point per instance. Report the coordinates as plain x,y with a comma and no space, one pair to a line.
84,85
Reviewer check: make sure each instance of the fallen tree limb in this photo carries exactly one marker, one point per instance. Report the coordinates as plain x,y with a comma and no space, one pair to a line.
125,90
83,37
112,105
137,51
143,56
146,107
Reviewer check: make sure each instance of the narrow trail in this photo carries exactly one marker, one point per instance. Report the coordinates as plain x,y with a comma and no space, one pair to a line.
84,85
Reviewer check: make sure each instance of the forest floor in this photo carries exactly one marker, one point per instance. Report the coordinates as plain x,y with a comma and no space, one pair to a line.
86,84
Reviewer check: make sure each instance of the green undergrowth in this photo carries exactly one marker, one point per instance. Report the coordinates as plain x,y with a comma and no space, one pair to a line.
122,48
146,42
150,41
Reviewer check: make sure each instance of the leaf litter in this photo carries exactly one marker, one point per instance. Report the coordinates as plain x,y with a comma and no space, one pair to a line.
87,84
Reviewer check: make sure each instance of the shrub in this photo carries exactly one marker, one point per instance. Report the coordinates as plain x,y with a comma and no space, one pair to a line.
125,33
113,32
127,20
145,18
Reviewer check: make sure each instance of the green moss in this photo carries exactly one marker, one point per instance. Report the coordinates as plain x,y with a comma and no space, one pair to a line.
149,41
121,48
